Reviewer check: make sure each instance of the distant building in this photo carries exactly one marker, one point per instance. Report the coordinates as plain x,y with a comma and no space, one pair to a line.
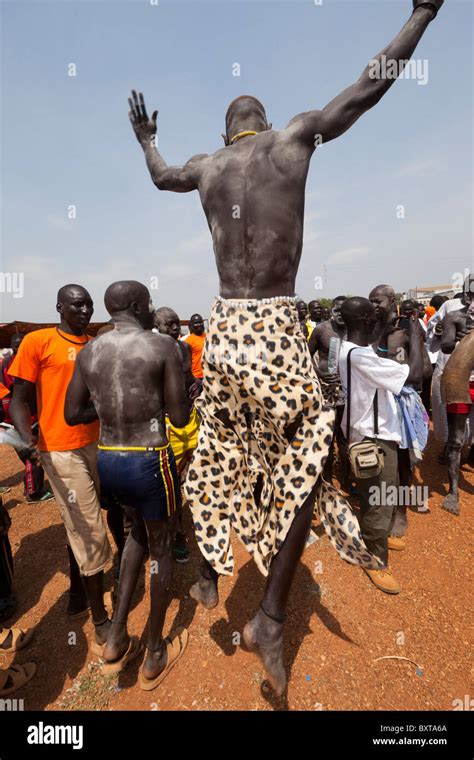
424,295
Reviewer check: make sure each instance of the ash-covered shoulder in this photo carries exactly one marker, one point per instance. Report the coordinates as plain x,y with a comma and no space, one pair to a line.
158,340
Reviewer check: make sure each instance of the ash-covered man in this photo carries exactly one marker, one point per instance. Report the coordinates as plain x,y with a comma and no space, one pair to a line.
455,326
324,336
325,339
132,375
183,440
263,481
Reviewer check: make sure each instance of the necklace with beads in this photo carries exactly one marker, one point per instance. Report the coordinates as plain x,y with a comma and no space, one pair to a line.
74,342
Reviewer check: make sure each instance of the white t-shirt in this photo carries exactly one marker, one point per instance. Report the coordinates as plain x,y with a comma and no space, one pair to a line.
370,373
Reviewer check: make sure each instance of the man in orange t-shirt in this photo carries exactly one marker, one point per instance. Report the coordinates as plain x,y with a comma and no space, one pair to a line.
44,365
196,339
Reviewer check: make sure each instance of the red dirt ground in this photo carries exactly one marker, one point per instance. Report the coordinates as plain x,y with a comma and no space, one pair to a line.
338,622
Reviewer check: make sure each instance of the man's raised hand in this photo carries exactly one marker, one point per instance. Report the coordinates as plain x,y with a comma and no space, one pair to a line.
143,126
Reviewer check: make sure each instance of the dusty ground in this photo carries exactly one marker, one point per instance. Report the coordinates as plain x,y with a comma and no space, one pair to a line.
338,623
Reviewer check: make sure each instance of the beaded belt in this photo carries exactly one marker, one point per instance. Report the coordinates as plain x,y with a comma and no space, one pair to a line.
247,302
132,448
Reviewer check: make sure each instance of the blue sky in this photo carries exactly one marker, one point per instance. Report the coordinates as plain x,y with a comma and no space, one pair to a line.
67,141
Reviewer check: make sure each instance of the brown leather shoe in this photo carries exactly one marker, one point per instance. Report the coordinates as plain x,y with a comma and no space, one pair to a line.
396,543
384,580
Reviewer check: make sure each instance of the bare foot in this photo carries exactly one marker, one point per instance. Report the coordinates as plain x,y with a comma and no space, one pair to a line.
205,592
264,636
102,631
451,504
154,662
117,643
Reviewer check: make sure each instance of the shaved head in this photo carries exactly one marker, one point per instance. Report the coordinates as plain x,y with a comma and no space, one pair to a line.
168,322
245,113
356,310
70,291
244,104
382,290
383,298
165,312
75,307
121,295
129,300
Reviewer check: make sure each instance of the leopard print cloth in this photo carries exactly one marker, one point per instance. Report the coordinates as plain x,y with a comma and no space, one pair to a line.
259,380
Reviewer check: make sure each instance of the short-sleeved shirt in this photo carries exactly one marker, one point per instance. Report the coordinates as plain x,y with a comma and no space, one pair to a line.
197,346
371,373
47,359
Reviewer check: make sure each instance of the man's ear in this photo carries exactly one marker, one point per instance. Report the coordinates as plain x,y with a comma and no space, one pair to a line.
59,308
226,140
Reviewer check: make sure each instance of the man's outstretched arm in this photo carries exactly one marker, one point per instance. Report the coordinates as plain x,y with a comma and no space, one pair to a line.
180,179
342,112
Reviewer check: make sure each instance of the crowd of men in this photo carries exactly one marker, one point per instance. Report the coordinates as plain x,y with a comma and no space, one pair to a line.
111,411
114,422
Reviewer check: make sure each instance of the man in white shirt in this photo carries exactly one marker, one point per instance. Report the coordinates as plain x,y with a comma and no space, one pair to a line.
372,376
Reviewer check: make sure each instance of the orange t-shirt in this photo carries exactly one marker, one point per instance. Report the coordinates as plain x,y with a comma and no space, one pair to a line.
47,359
197,346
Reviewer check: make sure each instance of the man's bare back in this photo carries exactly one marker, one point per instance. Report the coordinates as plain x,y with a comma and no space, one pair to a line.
252,191
132,375
124,371
253,196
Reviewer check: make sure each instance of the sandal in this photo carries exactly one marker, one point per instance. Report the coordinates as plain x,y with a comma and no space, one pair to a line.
20,639
175,648
134,649
18,676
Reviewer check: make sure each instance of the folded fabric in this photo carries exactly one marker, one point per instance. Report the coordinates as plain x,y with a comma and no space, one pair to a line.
414,422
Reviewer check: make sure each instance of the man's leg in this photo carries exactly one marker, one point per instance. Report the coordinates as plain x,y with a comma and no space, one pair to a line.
131,564
160,543
94,585
205,590
456,429
78,603
115,523
72,478
400,523
264,633
378,503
